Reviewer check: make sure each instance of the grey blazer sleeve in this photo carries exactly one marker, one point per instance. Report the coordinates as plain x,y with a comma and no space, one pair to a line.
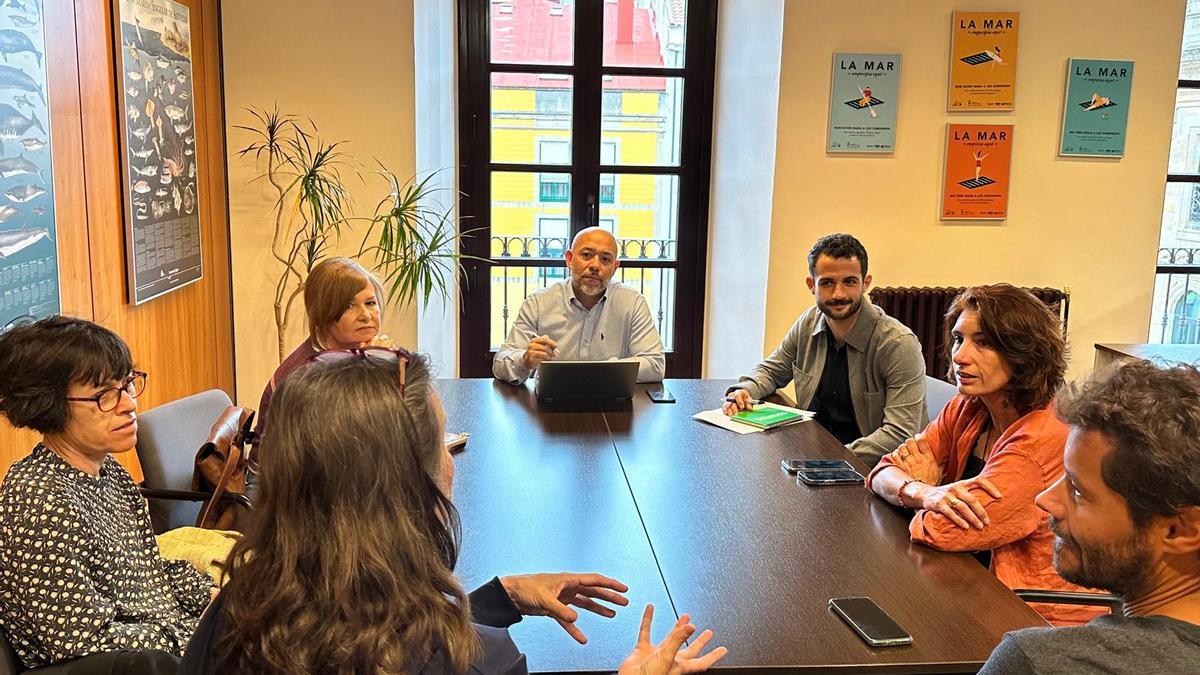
509,364
776,371
904,404
1008,659
645,344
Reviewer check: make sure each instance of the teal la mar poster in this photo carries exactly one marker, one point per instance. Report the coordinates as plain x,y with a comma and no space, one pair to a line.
863,99
1096,108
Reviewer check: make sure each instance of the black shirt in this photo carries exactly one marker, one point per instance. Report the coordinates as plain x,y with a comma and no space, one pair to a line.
831,403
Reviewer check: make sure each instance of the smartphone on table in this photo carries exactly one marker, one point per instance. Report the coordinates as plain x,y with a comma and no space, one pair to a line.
798,465
840,477
871,623
659,394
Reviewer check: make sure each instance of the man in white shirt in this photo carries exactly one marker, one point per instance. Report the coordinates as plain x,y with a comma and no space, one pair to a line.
586,318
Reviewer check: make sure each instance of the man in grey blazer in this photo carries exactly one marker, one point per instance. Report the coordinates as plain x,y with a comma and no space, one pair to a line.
858,369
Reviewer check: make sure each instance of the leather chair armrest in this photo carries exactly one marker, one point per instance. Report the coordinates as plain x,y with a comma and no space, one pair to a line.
192,496
1071,598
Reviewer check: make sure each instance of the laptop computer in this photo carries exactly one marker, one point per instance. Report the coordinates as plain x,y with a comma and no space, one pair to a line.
586,380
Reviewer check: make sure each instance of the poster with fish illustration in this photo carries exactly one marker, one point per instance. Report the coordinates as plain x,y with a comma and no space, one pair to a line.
162,219
29,283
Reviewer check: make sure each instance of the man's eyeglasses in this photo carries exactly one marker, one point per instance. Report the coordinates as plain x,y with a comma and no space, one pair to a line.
109,399
400,357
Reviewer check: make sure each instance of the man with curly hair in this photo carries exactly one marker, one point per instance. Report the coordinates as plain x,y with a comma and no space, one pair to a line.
1126,518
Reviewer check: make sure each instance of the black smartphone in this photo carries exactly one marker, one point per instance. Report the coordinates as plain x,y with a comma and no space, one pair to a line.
842,477
797,465
871,623
659,394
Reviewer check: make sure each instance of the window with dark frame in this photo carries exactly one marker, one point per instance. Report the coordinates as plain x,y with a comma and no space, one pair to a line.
1173,317
585,113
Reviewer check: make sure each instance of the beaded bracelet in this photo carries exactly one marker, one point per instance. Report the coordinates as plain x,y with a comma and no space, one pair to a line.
900,493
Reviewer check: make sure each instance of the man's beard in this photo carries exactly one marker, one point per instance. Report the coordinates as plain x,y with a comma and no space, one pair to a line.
829,309
1122,566
580,289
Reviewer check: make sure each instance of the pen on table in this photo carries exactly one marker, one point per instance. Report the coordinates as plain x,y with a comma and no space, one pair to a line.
751,402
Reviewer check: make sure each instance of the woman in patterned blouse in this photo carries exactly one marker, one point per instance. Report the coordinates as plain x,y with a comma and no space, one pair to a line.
80,572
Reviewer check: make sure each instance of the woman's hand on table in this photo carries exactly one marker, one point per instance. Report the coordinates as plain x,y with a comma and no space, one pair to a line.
915,457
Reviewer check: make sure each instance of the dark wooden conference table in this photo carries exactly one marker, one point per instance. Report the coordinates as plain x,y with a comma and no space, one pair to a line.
697,519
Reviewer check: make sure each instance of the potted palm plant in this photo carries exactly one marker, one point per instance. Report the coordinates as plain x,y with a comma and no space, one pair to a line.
410,239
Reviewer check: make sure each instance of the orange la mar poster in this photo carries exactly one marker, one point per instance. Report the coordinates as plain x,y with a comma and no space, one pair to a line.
983,61
978,163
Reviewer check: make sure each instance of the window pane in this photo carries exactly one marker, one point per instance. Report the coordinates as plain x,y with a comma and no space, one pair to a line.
1181,216
658,285
1175,312
531,118
1172,318
1189,63
647,33
511,285
642,121
533,31
1185,135
509,288
643,213
531,214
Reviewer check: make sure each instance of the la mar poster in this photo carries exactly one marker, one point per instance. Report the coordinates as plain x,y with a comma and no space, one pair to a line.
863,100
983,61
1096,108
978,164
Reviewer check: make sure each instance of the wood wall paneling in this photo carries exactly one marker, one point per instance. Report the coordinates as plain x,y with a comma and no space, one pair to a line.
183,339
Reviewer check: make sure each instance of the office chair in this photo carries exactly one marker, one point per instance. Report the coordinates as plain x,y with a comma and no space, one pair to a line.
168,438
100,664
937,394
1114,603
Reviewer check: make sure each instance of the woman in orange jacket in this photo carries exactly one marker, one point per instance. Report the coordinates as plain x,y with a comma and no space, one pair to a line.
973,474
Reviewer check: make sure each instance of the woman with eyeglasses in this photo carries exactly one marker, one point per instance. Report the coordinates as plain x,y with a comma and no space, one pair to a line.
80,572
344,305
348,566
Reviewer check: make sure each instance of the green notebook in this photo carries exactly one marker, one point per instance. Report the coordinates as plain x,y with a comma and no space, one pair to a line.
770,417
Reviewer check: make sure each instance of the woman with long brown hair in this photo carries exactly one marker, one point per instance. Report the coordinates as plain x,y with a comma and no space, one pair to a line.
973,474
348,566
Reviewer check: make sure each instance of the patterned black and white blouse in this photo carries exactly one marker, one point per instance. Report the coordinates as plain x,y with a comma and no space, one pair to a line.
80,571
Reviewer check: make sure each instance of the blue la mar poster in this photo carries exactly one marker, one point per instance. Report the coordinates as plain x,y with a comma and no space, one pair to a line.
1096,109
863,100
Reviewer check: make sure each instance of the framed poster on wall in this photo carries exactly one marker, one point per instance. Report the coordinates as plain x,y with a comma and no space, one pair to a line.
864,95
29,279
1096,108
983,61
158,123
976,180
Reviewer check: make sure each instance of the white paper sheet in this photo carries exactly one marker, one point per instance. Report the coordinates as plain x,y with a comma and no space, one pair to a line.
717,417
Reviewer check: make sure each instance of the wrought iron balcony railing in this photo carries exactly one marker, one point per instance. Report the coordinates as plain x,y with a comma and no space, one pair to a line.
1175,314
514,278
630,251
